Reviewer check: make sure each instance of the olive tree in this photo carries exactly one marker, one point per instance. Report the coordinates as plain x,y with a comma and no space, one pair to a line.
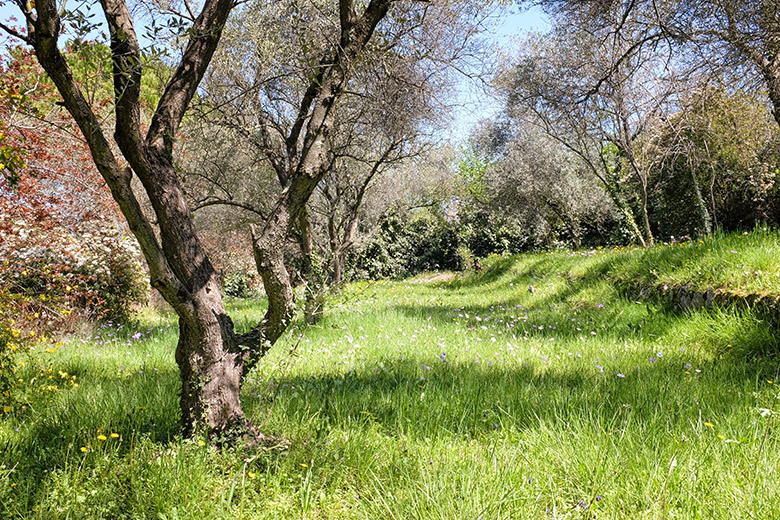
258,93
727,37
596,97
213,359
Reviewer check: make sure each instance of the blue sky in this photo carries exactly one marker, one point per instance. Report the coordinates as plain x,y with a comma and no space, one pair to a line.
474,104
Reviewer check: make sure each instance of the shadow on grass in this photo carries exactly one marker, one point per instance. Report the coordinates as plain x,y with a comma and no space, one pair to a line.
52,431
470,400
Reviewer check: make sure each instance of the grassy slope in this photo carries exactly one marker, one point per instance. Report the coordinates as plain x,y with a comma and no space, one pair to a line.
463,399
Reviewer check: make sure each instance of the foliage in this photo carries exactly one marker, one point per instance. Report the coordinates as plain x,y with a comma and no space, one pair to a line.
471,169
399,249
237,284
715,165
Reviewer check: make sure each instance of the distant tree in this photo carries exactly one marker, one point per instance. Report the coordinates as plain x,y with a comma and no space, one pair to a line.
595,96
542,185
731,37
714,163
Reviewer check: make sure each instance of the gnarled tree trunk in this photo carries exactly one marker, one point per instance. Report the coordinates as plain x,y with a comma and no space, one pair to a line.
212,358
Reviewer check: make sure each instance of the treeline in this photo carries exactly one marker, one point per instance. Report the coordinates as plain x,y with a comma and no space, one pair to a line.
624,122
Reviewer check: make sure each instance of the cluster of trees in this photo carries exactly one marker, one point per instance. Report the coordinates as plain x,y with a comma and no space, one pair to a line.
635,120
292,109
625,122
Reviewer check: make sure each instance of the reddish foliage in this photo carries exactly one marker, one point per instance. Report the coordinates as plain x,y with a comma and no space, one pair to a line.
63,241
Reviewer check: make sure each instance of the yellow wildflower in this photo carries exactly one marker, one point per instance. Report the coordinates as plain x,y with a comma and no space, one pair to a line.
709,425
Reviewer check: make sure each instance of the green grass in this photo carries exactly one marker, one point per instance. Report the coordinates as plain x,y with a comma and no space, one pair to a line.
436,399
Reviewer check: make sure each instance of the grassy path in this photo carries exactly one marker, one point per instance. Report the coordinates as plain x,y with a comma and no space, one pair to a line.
470,398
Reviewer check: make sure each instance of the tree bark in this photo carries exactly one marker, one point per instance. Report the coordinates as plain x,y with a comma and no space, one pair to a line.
312,307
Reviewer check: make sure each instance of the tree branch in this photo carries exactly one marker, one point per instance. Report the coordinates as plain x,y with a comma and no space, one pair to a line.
204,37
15,34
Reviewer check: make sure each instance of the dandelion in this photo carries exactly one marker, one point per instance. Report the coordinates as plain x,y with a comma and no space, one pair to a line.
709,425
114,435
84,449
101,437
721,437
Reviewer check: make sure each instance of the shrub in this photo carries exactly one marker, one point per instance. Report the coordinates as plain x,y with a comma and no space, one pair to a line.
93,270
237,285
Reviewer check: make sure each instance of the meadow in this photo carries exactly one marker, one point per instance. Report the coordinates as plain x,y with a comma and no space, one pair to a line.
445,396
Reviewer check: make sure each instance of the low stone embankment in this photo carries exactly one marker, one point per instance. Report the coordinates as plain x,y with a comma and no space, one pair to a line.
687,298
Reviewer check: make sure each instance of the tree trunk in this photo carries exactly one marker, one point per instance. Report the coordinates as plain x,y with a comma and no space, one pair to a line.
212,367
312,307
705,223
338,267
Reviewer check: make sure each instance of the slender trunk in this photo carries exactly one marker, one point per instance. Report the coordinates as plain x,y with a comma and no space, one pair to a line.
714,211
628,216
312,308
698,200
646,217
338,267
333,240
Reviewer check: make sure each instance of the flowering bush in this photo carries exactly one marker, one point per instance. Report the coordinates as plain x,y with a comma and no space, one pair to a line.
64,247
65,253
93,270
